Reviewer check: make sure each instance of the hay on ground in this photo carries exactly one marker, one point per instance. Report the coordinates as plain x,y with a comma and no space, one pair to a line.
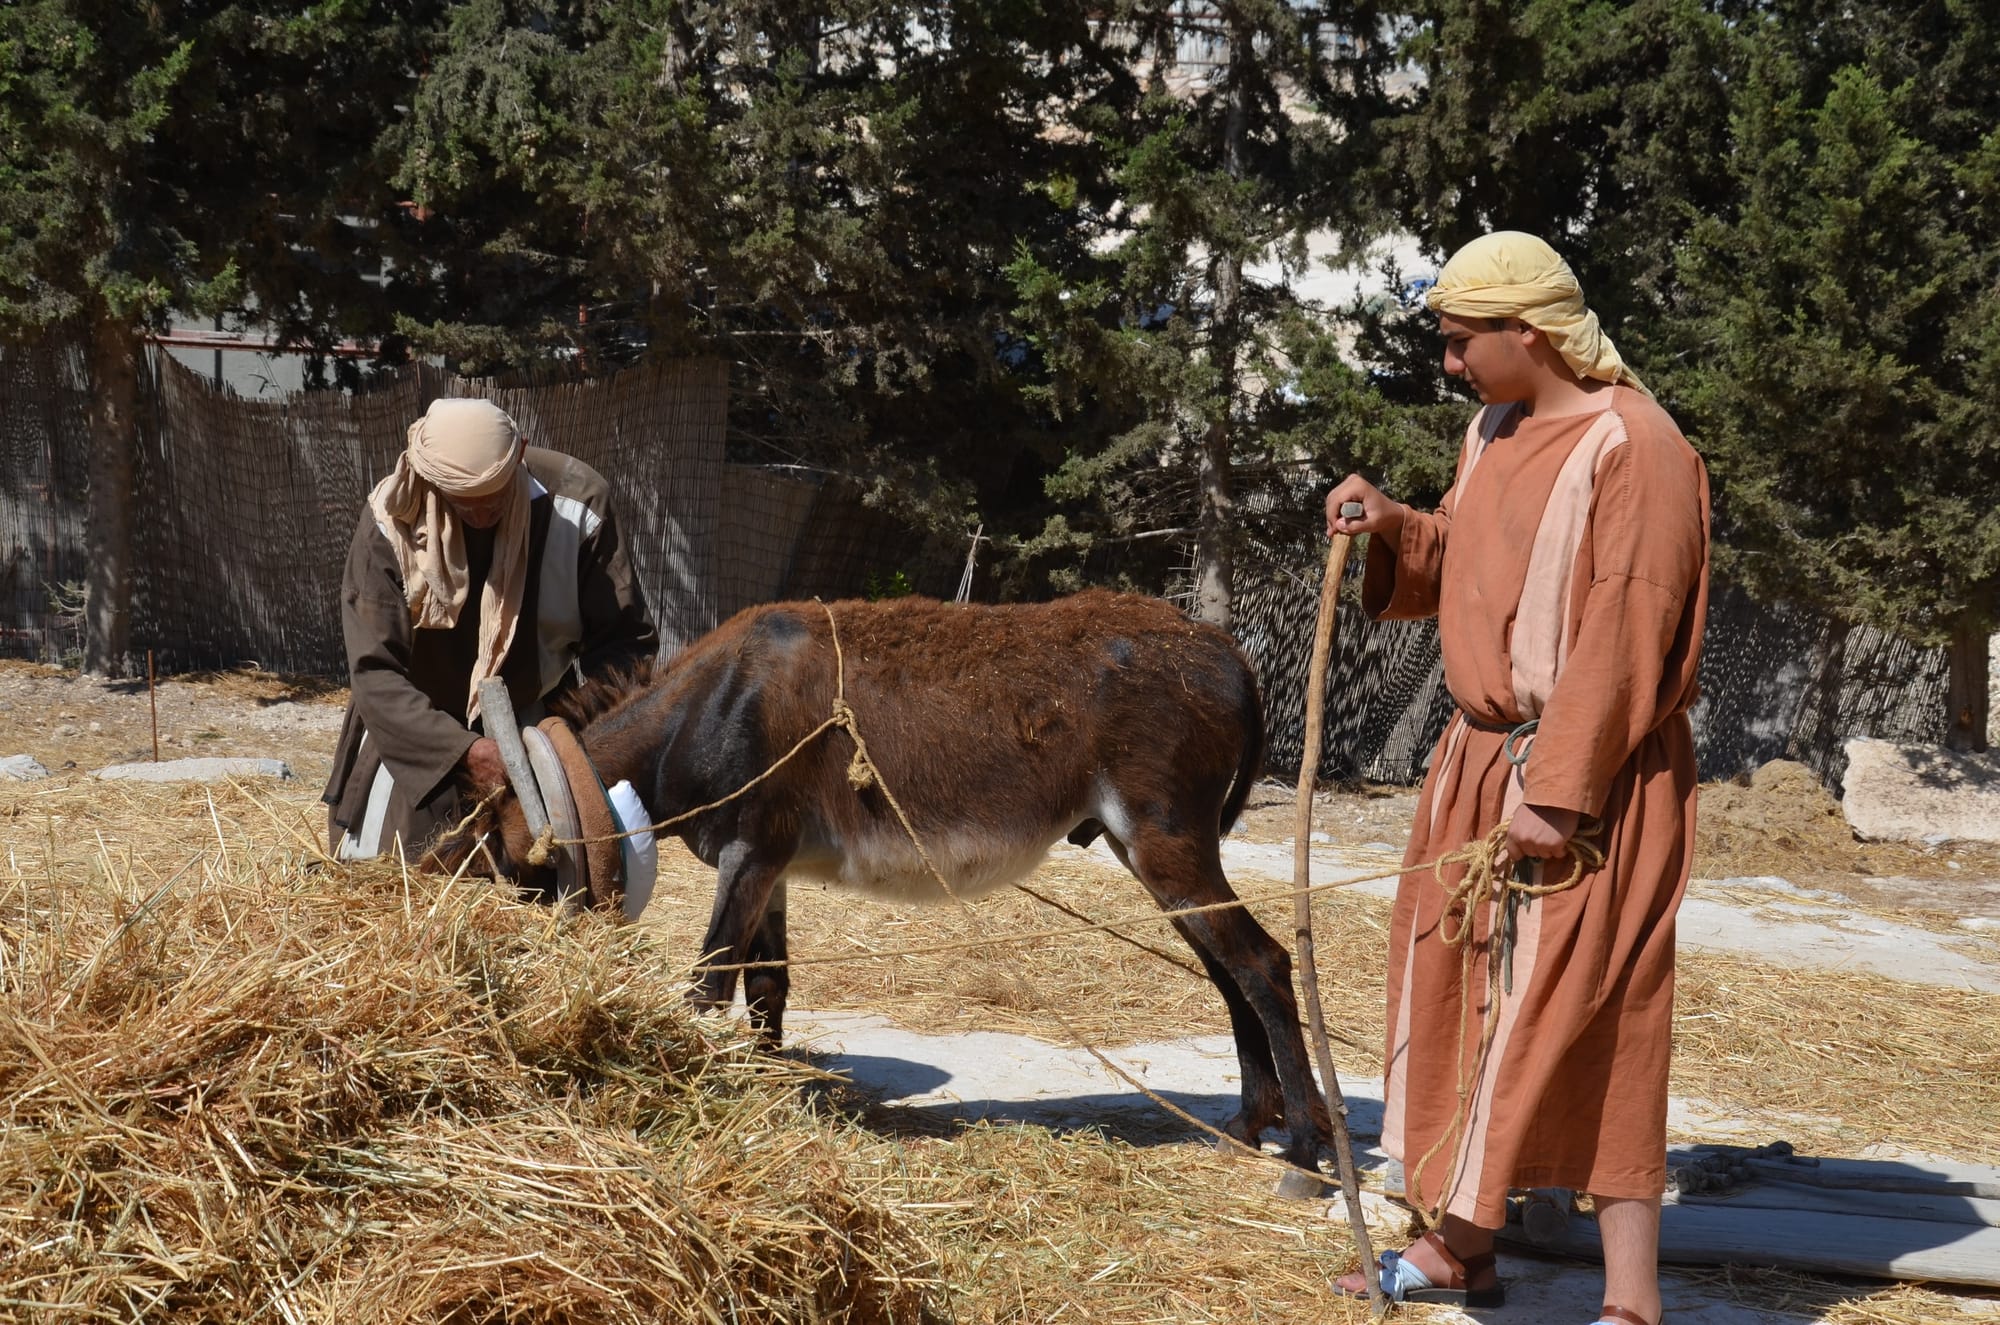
239,1084
383,1098
1781,821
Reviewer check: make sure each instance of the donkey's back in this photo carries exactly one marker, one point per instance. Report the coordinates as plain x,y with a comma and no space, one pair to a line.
1000,730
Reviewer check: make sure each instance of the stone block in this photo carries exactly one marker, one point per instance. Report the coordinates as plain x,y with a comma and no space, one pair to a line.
196,770
21,768
1914,793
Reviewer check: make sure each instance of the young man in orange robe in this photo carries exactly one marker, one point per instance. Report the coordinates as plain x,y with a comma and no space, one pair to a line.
1568,569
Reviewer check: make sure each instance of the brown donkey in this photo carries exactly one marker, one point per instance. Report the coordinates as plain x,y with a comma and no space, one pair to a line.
1001,730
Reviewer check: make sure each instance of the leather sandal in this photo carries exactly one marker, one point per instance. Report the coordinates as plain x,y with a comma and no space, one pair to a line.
1404,1282
1610,1315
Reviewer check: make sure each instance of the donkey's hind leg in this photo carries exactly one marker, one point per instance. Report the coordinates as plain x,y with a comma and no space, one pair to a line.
1184,872
1261,1097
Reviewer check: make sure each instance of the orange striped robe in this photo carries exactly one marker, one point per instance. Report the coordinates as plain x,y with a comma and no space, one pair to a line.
1568,568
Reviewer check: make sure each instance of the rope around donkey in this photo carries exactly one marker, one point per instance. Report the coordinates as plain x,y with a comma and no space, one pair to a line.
1480,856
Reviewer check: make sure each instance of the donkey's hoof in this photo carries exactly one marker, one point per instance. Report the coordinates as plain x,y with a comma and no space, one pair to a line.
1296,1184
1238,1130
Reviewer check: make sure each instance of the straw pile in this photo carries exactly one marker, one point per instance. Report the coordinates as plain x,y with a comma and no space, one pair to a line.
1780,820
242,1083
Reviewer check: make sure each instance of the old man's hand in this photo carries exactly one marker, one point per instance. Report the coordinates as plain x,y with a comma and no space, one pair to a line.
484,765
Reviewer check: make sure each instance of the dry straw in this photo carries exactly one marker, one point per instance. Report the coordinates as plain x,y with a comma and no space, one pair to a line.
241,1084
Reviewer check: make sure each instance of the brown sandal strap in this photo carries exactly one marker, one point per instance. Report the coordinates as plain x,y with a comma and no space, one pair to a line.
1454,1267
1620,1313
1462,1269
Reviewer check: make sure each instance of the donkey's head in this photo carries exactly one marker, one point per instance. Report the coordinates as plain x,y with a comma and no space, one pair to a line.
492,840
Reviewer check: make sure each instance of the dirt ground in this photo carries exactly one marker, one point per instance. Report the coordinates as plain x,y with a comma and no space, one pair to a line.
71,722
1819,1042
1778,821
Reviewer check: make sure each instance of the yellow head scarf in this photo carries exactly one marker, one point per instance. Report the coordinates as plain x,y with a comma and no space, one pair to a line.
1511,274
466,449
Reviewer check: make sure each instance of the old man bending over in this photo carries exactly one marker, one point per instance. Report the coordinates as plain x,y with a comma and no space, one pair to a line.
1568,569
478,556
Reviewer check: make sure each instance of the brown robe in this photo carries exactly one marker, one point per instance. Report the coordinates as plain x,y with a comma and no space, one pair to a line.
1568,568
582,614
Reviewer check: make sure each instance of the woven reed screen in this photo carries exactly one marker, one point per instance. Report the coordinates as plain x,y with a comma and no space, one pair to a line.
245,508
1776,683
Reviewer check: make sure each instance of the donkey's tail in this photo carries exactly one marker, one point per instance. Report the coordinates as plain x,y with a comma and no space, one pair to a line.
1250,763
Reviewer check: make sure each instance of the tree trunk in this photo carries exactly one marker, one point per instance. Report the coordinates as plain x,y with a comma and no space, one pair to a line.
1215,557
1967,695
114,425
1215,561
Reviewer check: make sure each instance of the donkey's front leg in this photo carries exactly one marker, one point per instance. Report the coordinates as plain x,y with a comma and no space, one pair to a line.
745,879
765,988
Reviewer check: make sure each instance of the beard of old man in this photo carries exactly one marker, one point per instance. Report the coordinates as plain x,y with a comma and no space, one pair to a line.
464,449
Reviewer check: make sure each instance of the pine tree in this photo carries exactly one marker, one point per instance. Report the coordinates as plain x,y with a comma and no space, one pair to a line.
1839,331
1176,329
1602,127
200,158
828,193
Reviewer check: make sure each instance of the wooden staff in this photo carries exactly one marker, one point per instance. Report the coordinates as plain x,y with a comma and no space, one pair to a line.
1336,1103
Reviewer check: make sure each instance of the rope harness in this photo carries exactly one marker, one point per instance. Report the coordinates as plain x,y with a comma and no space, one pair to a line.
1483,882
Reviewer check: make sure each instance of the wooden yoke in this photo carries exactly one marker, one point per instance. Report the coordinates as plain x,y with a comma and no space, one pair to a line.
496,715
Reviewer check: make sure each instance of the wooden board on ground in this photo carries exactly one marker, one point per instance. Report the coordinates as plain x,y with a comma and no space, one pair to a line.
1885,1219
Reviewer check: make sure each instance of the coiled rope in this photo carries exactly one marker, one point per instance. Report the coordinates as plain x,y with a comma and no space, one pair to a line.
1486,881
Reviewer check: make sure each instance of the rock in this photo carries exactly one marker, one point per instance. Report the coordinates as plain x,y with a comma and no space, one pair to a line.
21,768
1909,793
196,770
96,727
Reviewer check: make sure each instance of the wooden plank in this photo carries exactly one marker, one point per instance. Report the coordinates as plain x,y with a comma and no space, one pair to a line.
1906,1249
1764,1195
1936,1177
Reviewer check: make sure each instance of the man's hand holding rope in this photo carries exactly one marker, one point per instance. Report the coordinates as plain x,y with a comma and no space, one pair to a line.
1538,832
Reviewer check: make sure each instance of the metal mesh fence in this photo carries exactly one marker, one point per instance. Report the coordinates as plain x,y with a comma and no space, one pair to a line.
244,510
796,533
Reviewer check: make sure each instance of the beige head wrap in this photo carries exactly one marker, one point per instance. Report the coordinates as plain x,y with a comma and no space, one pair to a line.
465,449
1511,274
